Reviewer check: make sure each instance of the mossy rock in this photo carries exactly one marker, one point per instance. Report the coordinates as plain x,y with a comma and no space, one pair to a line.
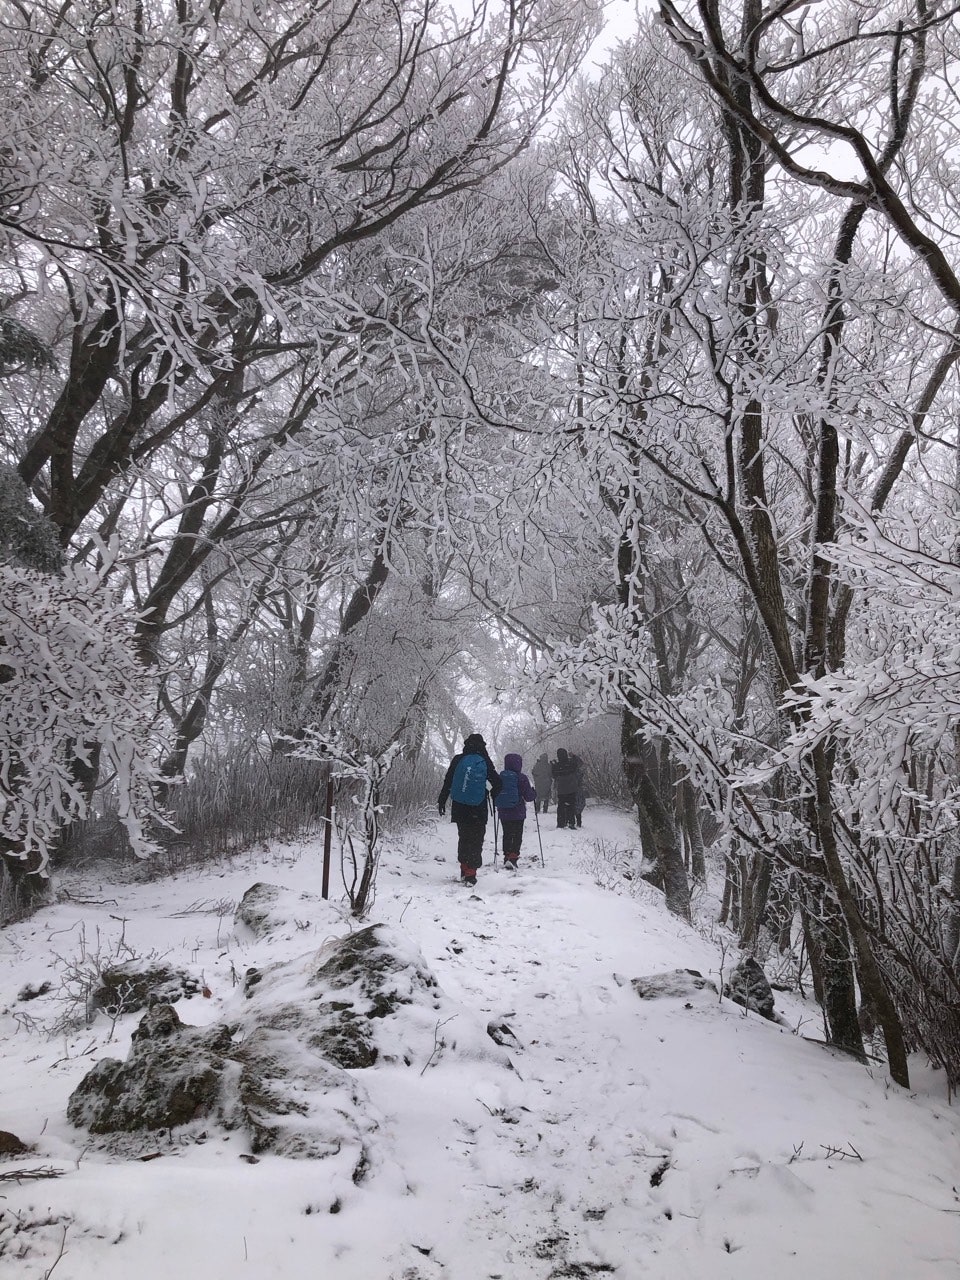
171,1076
129,987
295,1103
675,983
266,908
363,961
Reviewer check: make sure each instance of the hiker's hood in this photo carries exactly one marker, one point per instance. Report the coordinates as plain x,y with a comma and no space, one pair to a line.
561,755
513,761
474,742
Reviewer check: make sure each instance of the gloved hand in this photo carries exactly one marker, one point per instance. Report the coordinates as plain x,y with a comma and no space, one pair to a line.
443,809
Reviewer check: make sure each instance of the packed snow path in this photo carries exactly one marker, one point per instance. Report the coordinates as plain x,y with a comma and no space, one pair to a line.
645,1140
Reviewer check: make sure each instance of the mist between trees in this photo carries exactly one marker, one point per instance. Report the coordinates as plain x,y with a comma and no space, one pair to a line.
364,370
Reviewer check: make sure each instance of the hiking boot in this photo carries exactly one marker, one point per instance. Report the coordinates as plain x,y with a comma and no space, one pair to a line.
510,864
470,880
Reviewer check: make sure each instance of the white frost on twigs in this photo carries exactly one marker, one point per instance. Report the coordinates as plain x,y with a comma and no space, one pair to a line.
70,683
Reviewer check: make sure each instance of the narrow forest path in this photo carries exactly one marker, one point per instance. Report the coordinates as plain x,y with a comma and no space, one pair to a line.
674,1139
665,1139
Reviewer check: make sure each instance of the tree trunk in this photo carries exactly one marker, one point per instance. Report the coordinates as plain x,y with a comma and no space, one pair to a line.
358,608
756,891
828,945
657,818
691,822
872,984
730,906
22,891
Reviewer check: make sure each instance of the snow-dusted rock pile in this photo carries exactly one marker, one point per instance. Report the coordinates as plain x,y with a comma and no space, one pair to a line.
132,985
171,1076
283,1069
265,908
748,985
676,983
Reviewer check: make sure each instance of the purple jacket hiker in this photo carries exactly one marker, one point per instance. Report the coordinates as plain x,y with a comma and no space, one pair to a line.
512,815
516,812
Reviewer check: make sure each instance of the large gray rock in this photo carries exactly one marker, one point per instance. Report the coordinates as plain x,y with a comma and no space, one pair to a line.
675,983
134,984
171,1076
288,1099
266,908
748,985
295,1103
283,1072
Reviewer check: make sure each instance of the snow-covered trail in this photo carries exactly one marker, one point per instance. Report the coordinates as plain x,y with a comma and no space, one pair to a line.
670,1139
533,1164
643,1139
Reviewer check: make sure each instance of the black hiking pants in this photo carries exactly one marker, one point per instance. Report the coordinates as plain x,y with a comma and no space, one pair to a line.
566,810
512,836
470,832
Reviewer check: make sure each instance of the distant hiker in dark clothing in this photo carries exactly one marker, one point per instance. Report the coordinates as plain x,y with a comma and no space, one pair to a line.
542,781
515,788
565,779
580,795
465,785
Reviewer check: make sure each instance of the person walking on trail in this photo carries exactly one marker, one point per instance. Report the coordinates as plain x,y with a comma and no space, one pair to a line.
515,789
542,781
564,770
580,795
469,776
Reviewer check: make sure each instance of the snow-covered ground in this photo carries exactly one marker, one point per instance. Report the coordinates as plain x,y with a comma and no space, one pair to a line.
670,1138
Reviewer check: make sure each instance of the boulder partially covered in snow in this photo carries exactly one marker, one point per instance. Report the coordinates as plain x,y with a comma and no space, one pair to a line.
134,984
678,983
296,1103
266,908
368,997
282,1073
11,1145
171,1076
748,985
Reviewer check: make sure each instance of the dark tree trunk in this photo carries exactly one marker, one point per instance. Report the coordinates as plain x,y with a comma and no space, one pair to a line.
358,608
730,906
694,832
657,818
828,944
756,891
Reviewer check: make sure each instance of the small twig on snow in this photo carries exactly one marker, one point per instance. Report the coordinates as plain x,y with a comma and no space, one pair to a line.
31,1175
63,1245
438,1044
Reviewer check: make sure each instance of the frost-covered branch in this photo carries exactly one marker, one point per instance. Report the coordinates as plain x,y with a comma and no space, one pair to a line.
70,686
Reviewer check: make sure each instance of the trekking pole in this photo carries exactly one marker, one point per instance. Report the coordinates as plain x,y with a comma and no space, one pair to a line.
493,810
539,841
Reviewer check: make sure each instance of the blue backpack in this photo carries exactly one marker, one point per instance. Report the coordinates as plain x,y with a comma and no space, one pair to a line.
509,794
469,785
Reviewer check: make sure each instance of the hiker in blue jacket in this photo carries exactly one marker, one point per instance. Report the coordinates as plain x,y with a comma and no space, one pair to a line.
465,785
515,788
